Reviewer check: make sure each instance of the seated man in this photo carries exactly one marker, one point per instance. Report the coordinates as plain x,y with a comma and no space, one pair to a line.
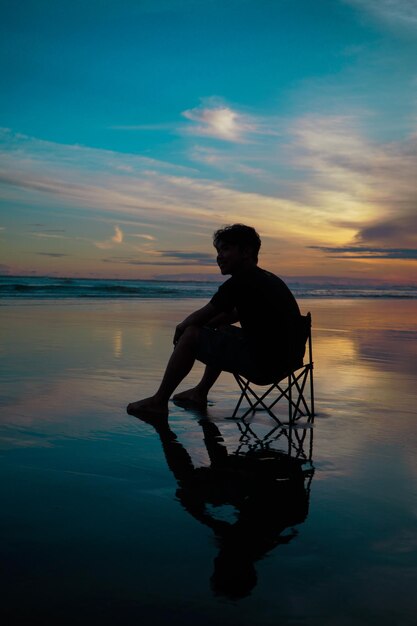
264,348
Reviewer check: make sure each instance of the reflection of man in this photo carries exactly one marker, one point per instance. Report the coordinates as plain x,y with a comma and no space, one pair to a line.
266,490
265,346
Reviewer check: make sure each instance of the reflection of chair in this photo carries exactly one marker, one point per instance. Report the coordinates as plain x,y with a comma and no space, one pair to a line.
251,498
294,386
290,441
291,447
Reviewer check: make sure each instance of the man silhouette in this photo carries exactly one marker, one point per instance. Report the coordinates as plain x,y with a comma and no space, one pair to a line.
267,490
267,343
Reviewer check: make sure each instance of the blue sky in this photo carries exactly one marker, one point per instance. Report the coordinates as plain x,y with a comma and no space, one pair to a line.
132,130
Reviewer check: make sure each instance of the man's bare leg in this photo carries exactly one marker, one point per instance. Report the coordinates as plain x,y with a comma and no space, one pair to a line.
198,395
179,365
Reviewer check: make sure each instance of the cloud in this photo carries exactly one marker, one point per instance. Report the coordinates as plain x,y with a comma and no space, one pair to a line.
168,258
398,11
149,127
219,122
140,236
54,255
110,243
229,162
49,235
402,229
19,146
118,235
151,196
216,120
329,185
368,186
364,252
199,258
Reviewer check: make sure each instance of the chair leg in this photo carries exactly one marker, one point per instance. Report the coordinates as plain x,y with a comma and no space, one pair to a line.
297,407
301,399
294,408
312,391
287,394
244,388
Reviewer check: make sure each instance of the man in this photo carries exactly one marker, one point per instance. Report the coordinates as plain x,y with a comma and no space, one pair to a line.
268,343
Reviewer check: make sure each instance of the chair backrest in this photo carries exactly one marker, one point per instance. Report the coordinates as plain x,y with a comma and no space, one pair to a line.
302,336
308,339
306,323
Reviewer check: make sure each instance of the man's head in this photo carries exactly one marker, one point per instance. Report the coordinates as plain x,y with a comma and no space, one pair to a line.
237,247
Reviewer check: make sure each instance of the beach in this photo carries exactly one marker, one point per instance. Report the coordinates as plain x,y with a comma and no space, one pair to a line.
95,521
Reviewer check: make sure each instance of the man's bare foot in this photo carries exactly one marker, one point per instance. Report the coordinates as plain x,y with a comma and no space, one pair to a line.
147,406
191,397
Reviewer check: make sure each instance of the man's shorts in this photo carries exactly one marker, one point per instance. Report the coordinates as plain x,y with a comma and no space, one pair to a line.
228,350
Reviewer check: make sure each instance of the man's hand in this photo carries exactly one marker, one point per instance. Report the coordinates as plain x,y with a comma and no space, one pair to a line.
198,318
178,332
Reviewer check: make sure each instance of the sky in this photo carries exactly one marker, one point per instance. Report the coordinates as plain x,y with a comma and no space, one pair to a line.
130,130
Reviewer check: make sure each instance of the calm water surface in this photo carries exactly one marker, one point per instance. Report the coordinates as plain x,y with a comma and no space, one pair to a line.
105,519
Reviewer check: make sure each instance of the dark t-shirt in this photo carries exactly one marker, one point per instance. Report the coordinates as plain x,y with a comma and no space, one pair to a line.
268,313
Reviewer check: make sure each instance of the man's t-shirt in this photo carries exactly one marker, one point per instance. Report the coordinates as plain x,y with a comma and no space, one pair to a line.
268,313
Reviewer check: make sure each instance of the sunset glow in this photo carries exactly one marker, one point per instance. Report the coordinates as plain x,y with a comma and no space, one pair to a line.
132,130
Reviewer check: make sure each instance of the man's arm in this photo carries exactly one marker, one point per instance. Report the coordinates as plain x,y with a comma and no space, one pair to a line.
221,319
199,318
206,316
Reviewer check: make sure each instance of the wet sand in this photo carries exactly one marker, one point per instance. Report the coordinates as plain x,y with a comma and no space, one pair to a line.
104,518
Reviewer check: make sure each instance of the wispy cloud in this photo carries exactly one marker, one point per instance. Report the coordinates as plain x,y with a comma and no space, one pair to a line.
148,127
54,255
49,235
214,119
364,252
329,186
230,162
401,228
118,235
141,236
20,148
398,11
370,184
194,258
167,258
148,195
219,121
110,243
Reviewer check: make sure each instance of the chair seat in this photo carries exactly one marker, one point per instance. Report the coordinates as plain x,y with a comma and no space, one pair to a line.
277,376
294,389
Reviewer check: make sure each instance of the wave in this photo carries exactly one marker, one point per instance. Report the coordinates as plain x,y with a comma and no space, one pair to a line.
28,287
62,288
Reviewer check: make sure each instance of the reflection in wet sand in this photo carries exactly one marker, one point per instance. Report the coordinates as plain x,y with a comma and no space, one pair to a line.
251,494
117,343
88,489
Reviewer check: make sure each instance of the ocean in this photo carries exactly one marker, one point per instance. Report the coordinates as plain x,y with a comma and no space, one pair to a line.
58,288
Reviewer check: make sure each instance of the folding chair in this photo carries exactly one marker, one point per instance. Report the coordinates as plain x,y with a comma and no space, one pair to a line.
293,442
294,386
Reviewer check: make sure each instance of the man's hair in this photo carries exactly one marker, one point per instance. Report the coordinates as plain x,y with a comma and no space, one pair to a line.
241,236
